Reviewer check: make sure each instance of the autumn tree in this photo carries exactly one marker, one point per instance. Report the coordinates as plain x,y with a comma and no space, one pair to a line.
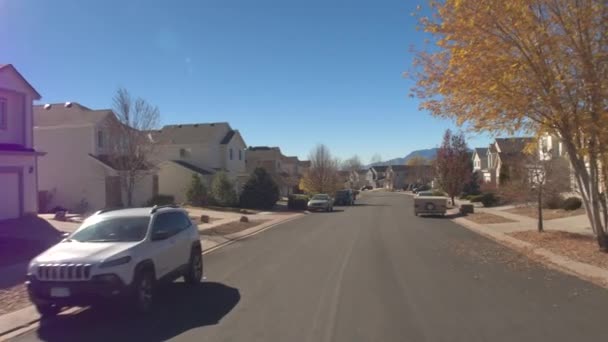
418,171
131,147
322,176
453,164
525,65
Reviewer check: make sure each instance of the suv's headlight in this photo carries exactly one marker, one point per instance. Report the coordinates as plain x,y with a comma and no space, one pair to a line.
115,262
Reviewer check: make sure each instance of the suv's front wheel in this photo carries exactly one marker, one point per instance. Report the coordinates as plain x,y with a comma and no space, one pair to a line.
195,268
144,292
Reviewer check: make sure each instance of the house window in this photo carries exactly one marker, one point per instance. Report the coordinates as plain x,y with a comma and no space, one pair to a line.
100,138
230,154
240,155
3,113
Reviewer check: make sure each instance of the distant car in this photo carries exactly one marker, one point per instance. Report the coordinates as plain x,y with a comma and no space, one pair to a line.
421,188
345,197
367,187
424,193
321,202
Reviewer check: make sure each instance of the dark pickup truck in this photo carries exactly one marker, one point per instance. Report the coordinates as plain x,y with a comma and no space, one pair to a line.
345,197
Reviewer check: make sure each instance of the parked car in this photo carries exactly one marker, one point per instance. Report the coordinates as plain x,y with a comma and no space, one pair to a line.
345,197
117,255
421,188
367,187
427,204
321,202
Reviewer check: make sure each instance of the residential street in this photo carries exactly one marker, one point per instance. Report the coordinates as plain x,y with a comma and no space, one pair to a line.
372,272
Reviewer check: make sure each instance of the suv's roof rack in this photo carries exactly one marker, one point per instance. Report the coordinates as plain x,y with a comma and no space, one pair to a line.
105,210
156,207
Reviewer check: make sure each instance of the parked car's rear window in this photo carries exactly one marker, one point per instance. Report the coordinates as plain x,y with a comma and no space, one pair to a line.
320,197
119,229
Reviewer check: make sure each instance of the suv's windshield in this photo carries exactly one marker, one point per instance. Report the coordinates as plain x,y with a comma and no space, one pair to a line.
320,197
119,229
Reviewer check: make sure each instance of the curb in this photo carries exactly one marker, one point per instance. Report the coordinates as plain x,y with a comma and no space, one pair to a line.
232,238
25,323
590,273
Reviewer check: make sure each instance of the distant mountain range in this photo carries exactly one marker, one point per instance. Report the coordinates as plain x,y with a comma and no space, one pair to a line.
429,154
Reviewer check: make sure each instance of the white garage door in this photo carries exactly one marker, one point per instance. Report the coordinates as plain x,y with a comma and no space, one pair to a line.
10,198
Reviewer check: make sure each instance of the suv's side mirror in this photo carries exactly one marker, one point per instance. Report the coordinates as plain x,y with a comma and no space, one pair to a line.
160,235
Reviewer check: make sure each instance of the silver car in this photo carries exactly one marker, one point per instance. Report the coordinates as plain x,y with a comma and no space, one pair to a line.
321,202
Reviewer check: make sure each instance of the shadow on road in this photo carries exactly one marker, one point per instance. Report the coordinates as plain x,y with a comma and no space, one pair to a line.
447,216
180,308
370,205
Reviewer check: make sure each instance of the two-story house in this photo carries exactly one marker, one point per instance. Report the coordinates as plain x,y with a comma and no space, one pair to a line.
376,175
507,159
79,171
397,176
480,164
18,157
285,170
201,149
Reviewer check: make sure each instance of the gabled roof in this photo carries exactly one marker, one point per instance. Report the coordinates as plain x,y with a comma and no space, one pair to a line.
513,145
228,137
399,167
11,67
74,114
381,168
481,151
191,167
202,133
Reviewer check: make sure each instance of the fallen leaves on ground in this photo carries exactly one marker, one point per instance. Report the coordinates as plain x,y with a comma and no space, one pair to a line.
548,214
231,228
491,254
13,299
579,247
486,218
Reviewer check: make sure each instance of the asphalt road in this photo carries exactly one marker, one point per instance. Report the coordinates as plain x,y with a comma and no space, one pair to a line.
372,272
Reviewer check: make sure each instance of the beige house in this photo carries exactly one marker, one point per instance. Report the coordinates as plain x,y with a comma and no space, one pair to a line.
480,164
77,172
18,157
202,149
287,171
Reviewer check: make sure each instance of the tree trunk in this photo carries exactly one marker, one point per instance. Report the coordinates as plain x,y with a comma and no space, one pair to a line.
540,209
453,202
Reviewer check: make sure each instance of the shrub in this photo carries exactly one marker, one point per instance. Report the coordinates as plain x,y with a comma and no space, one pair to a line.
297,202
553,201
260,191
197,192
572,203
160,199
222,190
475,198
489,199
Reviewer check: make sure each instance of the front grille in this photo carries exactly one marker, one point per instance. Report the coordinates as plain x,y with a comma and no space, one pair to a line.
66,272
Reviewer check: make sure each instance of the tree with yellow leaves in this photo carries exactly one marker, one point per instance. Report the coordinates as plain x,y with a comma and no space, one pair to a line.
525,65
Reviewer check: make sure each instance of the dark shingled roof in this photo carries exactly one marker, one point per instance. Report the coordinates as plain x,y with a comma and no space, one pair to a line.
399,167
513,145
15,147
192,167
380,168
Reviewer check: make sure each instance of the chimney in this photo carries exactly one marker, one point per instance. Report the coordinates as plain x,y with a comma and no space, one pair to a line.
68,105
47,106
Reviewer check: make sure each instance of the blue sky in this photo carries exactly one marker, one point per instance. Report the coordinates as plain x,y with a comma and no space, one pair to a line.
285,73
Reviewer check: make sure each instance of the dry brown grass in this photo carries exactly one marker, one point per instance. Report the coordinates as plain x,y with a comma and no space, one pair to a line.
13,299
231,228
548,214
578,247
486,218
197,220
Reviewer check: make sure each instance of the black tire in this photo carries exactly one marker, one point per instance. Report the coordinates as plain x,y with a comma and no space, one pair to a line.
48,310
194,274
143,292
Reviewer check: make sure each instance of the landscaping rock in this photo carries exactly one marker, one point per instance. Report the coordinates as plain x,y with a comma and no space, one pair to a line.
467,209
244,219
205,218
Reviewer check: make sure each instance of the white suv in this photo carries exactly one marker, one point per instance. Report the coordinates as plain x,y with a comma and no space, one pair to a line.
117,254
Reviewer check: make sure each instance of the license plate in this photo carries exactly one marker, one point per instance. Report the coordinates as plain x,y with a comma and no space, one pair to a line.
60,292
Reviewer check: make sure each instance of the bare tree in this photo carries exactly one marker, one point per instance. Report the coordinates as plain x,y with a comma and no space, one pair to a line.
453,164
322,176
131,144
352,164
